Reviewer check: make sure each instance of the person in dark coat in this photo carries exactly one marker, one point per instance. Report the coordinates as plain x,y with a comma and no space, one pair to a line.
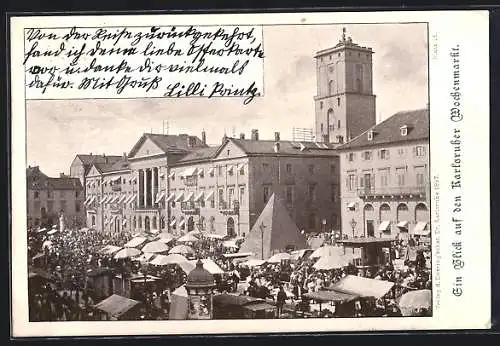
280,301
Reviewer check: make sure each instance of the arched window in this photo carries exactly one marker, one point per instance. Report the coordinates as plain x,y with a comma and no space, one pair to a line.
140,221
201,225
134,223
330,87
93,220
385,212
147,224
190,224
368,208
230,227
402,213
421,213
154,222
162,222
212,223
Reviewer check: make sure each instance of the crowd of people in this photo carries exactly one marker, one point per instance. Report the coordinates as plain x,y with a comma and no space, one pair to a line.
67,257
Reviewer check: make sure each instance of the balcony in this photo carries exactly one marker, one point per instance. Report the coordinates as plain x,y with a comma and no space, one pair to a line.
190,208
400,191
226,208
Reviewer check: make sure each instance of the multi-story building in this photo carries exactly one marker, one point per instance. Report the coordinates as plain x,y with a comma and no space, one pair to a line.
128,194
48,198
111,196
83,162
224,189
345,104
385,177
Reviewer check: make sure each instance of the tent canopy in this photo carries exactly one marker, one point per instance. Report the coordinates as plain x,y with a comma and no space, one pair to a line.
208,265
363,287
116,305
330,296
273,231
134,242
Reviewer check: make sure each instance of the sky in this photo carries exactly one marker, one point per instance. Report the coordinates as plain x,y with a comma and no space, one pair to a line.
58,130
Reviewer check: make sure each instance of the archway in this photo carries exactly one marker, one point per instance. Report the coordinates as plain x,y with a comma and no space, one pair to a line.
201,225
154,222
139,221
403,217
162,222
421,213
93,220
230,227
117,224
190,224
369,218
134,223
147,225
212,224
385,218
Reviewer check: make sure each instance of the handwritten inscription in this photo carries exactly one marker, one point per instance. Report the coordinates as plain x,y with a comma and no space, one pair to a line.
155,61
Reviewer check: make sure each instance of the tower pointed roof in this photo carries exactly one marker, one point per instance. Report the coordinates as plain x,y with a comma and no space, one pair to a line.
273,231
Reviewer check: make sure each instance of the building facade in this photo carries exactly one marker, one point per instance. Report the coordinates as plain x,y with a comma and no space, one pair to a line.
223,190
385,186
48,198
82,163
344,104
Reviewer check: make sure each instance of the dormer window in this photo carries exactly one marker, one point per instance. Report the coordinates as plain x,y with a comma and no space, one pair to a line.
370,135
404,130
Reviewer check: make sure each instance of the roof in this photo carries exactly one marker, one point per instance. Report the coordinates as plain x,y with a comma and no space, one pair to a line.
91,159
116,305
200,154
231,299
35,179
169,143
280,231
388,131
330,296
267,147
365,240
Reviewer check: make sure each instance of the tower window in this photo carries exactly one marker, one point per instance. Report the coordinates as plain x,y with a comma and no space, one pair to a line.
330,68
321,127
359,54
404,130
330,57
320,104
339,54
338,124
338,101
330,87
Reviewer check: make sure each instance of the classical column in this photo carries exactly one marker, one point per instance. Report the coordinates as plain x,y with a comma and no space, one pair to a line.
153,170
138,188
145,188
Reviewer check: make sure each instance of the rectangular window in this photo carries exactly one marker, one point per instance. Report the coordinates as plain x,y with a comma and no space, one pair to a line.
242,170
242,194
289,168
351,157
311,192
50,206
37,194
77,193
332,169
312,221
267,191
311,169
230,195
420,179
212,203
383,180
265,166
289,194
221,197
400,173
351,182
221,171
367,155
420,150
384,154
77,207
333,193
49,194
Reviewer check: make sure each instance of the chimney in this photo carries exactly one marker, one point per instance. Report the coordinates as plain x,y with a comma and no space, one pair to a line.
242,135
61,175
203,137
277,136
224,138
255,135
124,155
90,154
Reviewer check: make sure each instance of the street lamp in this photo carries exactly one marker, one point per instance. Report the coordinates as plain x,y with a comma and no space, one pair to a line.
353,226
262,227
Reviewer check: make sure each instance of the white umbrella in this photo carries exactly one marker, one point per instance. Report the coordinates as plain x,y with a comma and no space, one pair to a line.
195,232
145,257
155,247
165,238
214,236
181,249
41,230
187,238
52,231
411,302
161,260
127,253
331,261
279,257
230,244
253,262
326,250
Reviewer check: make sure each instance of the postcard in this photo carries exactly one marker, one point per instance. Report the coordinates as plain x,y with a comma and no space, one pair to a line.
326,171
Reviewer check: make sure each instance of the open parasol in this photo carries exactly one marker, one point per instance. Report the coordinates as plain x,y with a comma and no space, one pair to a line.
165,237
181,249
326,250
332,260
277,258
187,238
162,260
412,302
127,253
155,247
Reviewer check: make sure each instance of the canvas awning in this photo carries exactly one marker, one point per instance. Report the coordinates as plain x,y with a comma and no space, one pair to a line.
172,223
170,197
384,226
189,172
421,229
230,169
162,175
160,197
87,200
131,198
171,175
179,197
116,305
123,198
351,205
182,223
363,287
115,179
199,196
330,296
210,196
238,255
124,222
91,200
103,200
211,171
201,171
403,224
189,197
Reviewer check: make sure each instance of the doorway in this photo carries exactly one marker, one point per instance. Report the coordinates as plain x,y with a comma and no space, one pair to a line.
370,228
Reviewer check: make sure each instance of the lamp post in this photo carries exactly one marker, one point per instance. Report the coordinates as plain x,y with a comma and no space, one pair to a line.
262,227
353,226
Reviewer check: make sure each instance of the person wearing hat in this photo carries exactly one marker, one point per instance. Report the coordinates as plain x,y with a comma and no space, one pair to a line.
280,301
